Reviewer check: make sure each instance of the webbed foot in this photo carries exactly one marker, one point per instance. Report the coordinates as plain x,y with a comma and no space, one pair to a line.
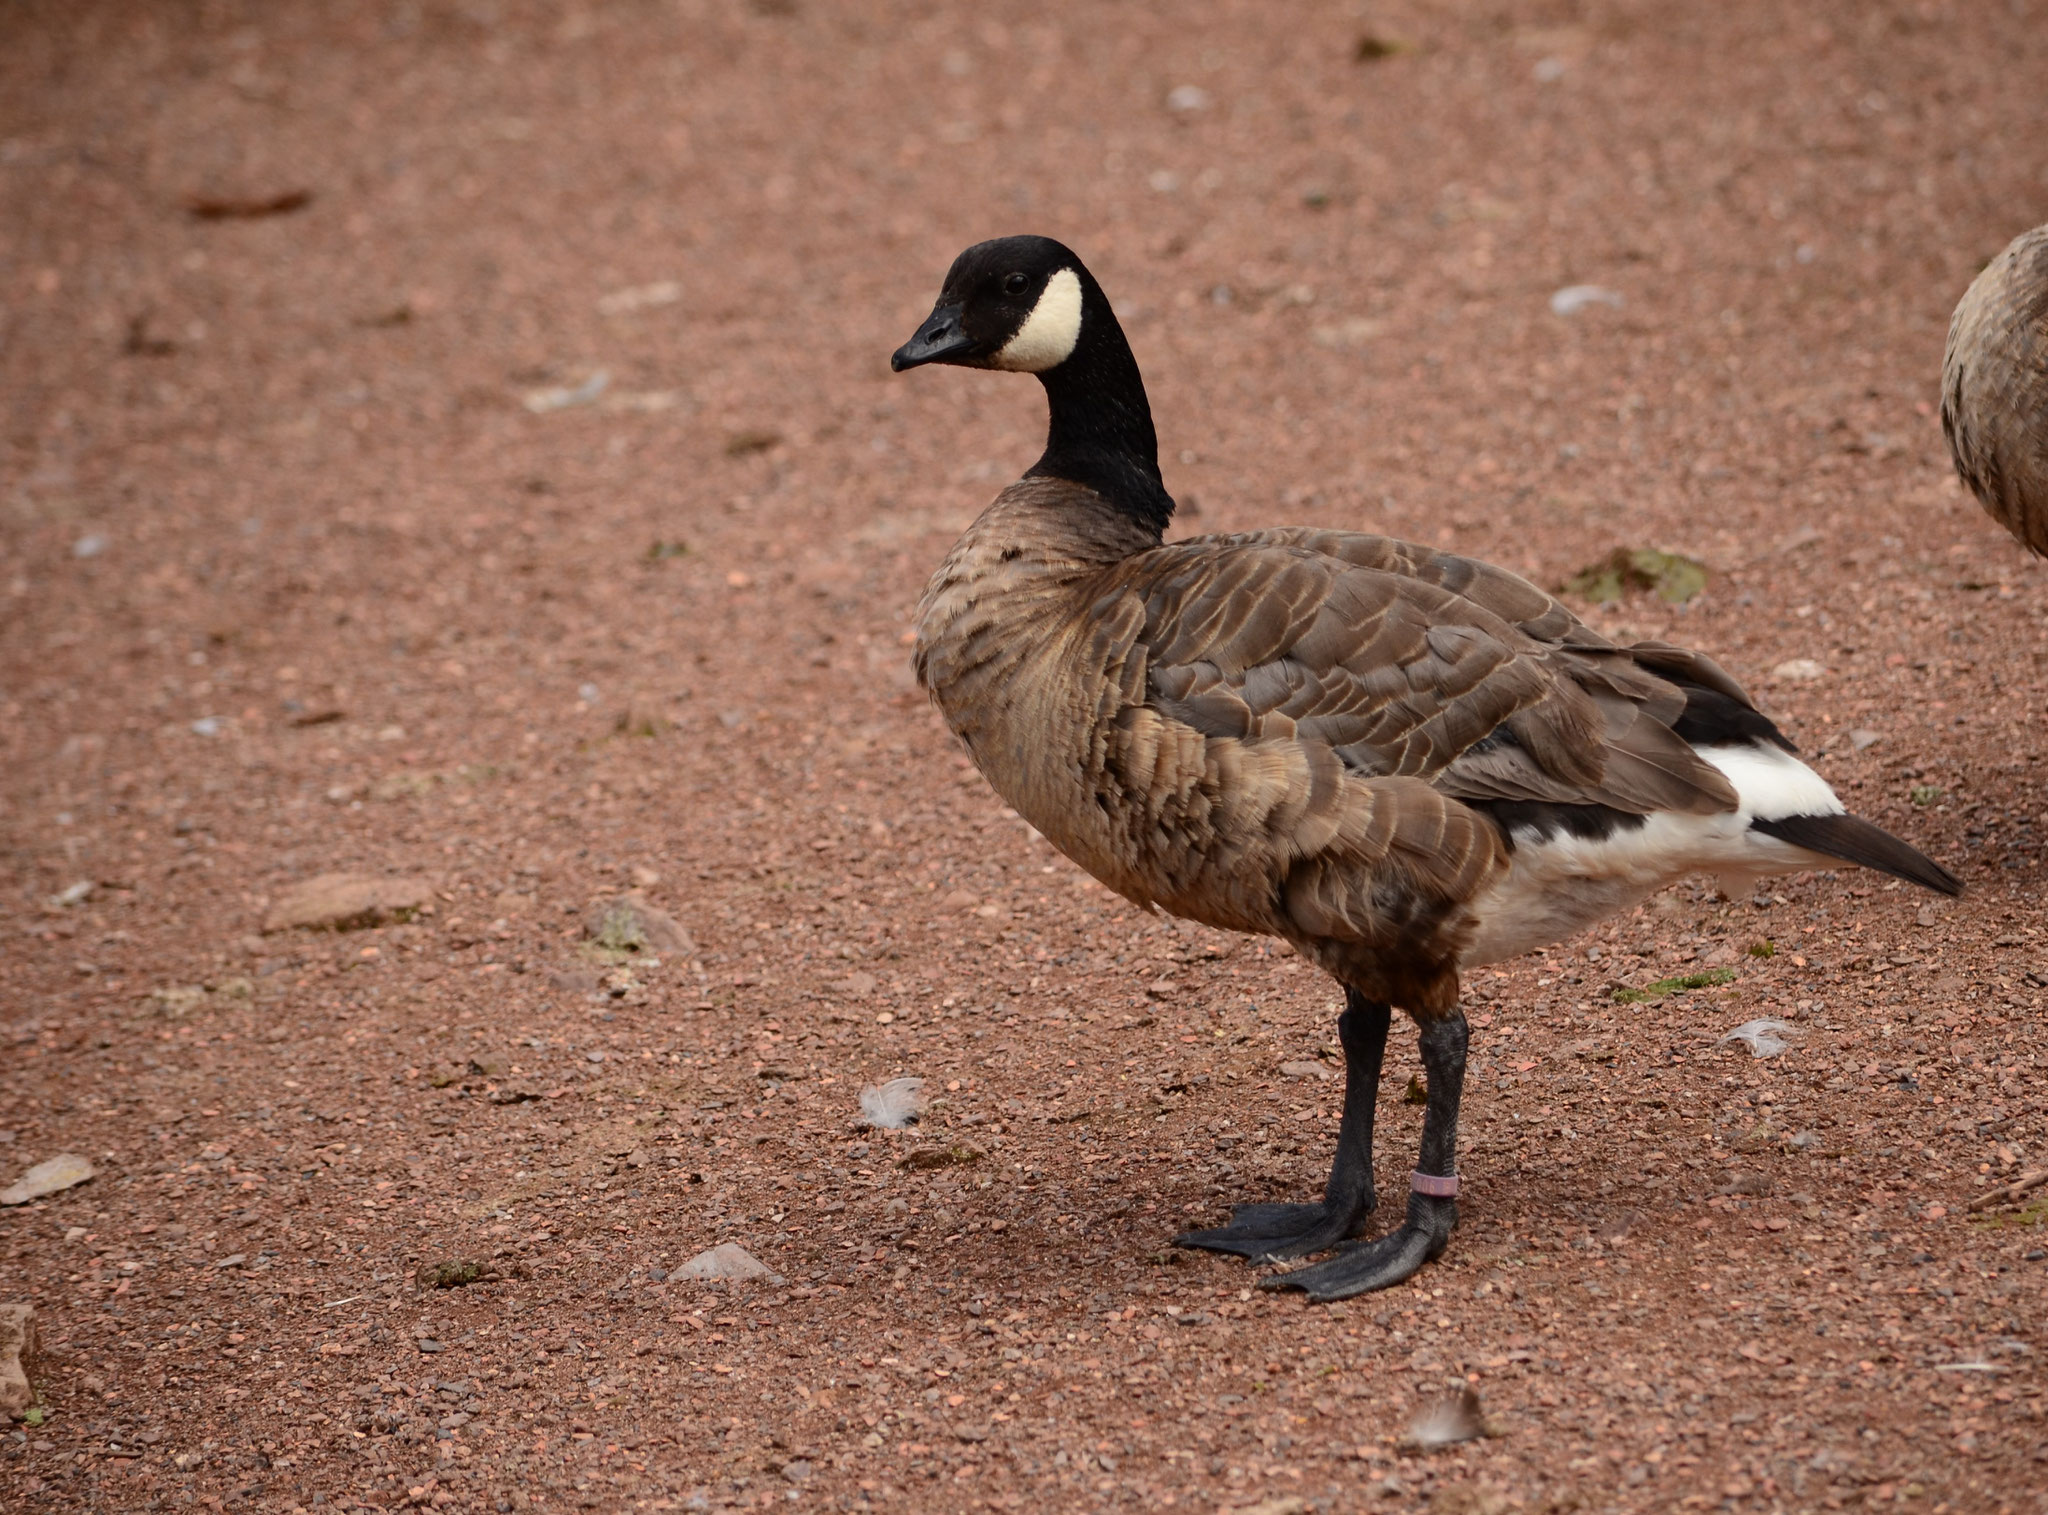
1274,1232
1381,1263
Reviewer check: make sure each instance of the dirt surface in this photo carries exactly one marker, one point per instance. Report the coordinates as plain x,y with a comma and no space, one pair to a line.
329,552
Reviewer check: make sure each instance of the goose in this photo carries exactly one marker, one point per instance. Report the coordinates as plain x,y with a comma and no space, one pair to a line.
1403,762
1994,388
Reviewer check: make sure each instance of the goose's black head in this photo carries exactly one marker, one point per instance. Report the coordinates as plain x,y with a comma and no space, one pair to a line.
1028,305
1017,303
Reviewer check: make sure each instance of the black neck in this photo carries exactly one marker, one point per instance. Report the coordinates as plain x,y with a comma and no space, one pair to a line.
1101,433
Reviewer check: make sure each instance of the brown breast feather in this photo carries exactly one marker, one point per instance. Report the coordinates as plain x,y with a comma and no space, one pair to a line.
1285,723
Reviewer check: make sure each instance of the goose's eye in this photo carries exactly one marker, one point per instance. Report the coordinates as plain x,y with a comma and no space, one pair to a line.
1016,284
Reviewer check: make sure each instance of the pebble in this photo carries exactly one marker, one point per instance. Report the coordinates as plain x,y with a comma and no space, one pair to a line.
643,716
1574,298
640,297
19,1362
1306,1070
64,1171
1799,671
1352,331
627,923
454,1274
727,1260
90,546
541,401
347,902
1188,97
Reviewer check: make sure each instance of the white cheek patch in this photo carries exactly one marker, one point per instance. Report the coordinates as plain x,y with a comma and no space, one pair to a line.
1047,337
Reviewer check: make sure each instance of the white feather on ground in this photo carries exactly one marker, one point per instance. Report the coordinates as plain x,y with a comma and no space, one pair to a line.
1766,1038
893,1105
1447,1421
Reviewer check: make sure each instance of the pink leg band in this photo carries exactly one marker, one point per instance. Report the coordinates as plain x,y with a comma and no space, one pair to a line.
1434,1187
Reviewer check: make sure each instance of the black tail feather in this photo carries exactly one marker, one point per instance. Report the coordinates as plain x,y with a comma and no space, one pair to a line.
1855,840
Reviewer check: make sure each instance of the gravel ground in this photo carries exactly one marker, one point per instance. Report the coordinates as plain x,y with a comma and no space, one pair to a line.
453,443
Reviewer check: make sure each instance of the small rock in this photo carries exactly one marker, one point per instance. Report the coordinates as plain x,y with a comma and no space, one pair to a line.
859,985
1352,331
456,1273
796,1470
1306,1070
542,401
643,716
347,902
751,439
64,1171
1188,98
638,1158
428,1345
19,1364
1574,298
956,900
1470,1499
1863,737
573,980
958,1155
1447,1421
1799,671
232,1260
727,1260
628,923
90,546
176,1001
72,894
1284,1504
639,297
893,1105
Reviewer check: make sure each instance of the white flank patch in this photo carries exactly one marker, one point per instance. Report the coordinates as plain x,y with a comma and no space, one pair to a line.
1047,337
1772,783
1557,886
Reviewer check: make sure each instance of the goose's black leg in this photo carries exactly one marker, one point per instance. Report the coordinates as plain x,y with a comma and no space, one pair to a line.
1281,1231
1368,1265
